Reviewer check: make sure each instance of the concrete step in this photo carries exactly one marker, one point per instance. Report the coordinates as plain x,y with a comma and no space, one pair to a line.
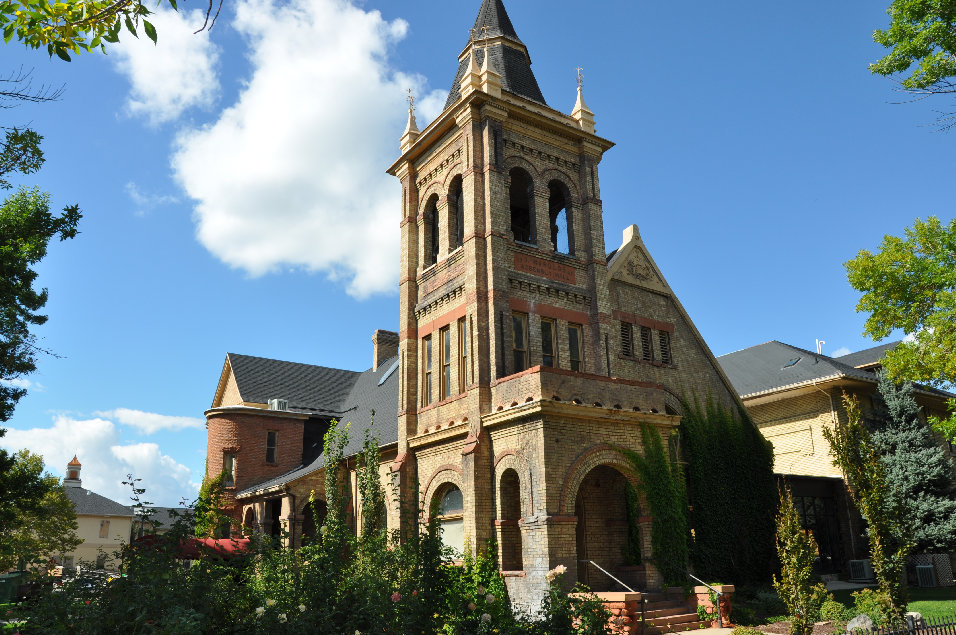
664,612
676,628
674,620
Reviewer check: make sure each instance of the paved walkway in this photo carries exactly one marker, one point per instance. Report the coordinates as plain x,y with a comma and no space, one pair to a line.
708,631
839,585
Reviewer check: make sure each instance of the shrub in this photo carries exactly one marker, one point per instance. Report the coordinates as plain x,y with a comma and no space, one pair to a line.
796,552
872,603
743,630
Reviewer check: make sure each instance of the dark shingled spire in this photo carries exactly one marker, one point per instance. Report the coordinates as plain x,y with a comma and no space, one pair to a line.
511,62
492,14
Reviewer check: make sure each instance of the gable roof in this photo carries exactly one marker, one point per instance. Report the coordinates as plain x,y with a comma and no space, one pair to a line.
774,366
869,356
89,503
307,388
507,55
374,390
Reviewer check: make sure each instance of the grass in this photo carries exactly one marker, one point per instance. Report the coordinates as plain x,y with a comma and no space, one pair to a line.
935,603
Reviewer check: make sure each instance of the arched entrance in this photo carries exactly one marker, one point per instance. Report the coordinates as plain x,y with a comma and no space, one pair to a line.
603,532
313,517
248,522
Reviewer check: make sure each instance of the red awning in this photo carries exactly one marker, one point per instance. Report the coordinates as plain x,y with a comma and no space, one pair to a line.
196,548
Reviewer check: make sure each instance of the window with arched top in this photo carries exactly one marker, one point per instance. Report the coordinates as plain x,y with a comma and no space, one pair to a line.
456,212
521,195
450,514
558,215
431,231
509,525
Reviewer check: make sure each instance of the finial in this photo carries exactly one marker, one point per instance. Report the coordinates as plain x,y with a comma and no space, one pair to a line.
580,71
411,101
484,34
471,34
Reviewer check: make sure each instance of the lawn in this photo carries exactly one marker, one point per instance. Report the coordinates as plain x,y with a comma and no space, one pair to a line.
935,603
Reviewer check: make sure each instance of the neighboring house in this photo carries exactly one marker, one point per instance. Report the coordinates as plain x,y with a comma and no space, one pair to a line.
525,356
103,525
792,395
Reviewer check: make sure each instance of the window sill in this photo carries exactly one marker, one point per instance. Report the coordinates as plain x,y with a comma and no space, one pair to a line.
512,574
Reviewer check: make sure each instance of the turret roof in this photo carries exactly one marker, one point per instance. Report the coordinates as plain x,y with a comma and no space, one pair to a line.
75,461
510,60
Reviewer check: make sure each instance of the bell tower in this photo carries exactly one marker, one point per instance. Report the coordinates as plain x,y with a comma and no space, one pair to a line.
508,344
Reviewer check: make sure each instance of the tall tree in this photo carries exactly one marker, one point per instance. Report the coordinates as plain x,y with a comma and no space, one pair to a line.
920,476
852,448
910,285
41,530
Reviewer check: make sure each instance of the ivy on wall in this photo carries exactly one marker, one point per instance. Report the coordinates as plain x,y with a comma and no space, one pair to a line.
732,493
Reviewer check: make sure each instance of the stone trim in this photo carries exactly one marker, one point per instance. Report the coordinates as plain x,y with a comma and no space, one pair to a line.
452,474
515,460
595,456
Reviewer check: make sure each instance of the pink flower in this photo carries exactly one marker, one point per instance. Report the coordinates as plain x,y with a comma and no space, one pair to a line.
396,597
415,593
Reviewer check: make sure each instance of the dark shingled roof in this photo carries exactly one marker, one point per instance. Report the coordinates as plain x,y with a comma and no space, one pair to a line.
867,357
308,388
375,389
769,367
513,64
92,504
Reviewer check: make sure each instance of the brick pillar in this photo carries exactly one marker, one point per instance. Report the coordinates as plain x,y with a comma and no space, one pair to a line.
477,474
404,516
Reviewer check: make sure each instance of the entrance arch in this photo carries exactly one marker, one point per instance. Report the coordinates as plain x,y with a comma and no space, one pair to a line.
603,532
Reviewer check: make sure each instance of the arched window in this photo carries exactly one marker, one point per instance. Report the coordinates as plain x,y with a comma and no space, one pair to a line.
558,215
456,209
431,231
509,538
450,515
521,195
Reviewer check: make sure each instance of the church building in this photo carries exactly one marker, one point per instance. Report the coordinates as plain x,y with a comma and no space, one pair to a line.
527,353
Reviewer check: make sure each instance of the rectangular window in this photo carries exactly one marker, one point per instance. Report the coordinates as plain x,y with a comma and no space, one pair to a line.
272,441
647,346
519,329
627,339
574,347
229,467
462,355
444,337
427,367
104,529
547,343
664,339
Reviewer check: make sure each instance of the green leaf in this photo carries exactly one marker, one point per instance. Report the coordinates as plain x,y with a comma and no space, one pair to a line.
62,54
172,3
130,27
150,30
8,31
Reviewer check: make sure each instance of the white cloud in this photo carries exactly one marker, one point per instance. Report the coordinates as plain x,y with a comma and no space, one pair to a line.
22,382
147,202
292,174
106,459
175,74
150,422
840,352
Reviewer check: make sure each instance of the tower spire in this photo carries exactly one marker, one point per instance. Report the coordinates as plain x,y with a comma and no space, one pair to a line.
581,113
411,128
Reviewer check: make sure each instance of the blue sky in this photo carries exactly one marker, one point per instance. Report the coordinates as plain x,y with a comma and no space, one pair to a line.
235,198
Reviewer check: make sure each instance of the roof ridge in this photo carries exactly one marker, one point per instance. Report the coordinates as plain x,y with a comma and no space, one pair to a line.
285,361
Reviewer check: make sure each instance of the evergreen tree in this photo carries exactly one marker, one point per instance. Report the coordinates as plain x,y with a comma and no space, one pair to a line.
920,476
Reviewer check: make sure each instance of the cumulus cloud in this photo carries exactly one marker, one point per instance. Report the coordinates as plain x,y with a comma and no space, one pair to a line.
291,175
22,382
175,74
840,352
150,422
106,459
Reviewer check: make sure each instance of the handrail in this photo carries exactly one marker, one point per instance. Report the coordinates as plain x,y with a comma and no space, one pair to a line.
604,571
720,617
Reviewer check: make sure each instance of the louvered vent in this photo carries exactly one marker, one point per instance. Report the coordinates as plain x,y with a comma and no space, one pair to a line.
647,349
627,339
664,338
926,575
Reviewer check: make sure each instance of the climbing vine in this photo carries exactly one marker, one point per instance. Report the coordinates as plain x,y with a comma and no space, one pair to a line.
732,492
662,484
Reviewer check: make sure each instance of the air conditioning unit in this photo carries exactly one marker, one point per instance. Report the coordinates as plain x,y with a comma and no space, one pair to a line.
861,570
926,575
278,404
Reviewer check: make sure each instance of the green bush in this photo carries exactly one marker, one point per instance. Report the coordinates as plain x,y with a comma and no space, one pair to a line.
872,603
744,630
834,611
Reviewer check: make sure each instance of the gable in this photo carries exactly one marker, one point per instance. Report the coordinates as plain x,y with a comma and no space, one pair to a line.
227,390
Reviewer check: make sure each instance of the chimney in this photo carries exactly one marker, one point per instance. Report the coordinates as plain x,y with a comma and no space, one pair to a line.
384,346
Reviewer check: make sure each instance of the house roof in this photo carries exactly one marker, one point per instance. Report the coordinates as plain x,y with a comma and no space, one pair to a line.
374,390
774,366
307,388
867,357
508,59
164,517
89,503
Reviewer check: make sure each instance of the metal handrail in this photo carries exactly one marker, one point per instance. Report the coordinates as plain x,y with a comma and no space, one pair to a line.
604,571
720,617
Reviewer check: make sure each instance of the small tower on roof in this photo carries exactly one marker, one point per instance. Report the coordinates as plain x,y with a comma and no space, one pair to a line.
73,473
